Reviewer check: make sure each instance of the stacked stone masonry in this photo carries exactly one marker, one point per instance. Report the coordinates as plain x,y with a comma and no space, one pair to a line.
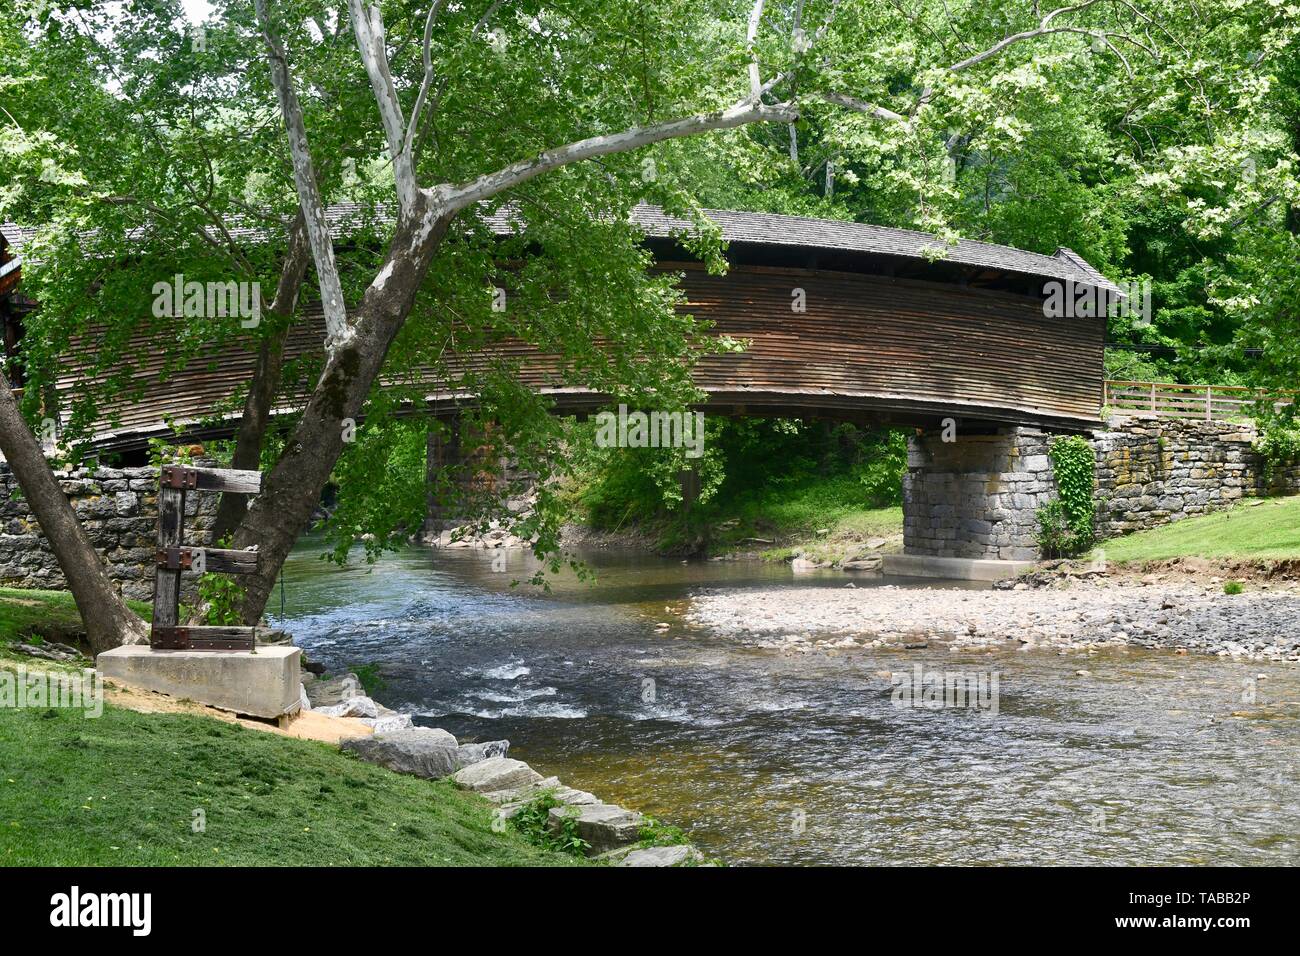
1154,471
118,508
978,496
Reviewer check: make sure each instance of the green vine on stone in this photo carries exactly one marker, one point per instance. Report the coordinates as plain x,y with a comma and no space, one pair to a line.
1065,526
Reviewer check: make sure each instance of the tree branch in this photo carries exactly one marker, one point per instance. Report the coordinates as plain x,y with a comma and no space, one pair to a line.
455,198
862,106
318,234
368,25
751,35
1043,29
428,77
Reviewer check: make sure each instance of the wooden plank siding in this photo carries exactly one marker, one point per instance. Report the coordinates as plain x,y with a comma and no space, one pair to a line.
900,350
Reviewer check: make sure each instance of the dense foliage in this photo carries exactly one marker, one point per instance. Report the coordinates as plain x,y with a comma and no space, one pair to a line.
1156,138
772,474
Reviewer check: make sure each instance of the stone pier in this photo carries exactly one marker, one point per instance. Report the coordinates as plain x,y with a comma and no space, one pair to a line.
970,505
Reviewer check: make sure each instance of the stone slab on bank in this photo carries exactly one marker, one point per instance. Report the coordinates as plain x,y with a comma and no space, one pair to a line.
957,569
261,683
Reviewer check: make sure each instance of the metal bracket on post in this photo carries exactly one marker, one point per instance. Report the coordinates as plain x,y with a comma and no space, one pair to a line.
204,638
174,559
177,476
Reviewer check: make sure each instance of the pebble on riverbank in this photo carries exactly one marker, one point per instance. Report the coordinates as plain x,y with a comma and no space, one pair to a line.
1079,613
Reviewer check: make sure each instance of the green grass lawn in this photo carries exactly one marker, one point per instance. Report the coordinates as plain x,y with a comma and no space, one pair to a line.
792,516
52,614
122,789
1264,529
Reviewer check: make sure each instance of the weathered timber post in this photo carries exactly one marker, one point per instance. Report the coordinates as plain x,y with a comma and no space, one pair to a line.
172,558
171,535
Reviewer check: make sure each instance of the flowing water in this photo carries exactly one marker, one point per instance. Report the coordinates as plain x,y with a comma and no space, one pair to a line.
765,756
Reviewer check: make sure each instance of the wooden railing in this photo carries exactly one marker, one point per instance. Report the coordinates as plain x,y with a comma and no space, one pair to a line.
1170,400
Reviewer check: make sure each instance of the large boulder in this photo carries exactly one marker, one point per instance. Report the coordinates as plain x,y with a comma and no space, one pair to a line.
496,773
474,753
328,693
522,794
389,723
512,801
603,826
421,751
352,707
661,856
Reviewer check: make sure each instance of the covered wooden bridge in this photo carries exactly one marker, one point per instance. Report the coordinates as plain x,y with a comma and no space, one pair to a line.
842,320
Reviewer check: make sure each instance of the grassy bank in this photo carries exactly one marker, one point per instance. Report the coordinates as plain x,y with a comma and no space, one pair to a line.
824,519
123,789
30,614
1255,529
775,487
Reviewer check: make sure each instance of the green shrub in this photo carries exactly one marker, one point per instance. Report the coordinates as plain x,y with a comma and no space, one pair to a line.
1232,587
1278,445
1056,539
532,820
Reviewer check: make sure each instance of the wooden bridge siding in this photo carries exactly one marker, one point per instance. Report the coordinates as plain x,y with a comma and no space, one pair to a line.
860,337
879,336
863,337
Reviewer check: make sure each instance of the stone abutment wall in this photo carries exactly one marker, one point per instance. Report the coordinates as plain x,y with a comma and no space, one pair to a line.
118,507
1151,471
977,496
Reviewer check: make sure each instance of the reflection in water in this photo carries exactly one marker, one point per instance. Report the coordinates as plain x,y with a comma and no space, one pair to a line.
745,747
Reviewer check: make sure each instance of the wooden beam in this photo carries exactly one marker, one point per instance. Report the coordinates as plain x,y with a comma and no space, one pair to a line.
206,638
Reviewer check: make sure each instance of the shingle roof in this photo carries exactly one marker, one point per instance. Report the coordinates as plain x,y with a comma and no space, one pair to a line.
803,232
769,229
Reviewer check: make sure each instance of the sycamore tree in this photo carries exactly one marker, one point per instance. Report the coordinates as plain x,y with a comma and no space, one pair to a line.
145,148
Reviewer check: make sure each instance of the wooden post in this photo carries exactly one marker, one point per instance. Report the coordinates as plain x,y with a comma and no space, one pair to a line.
171,532
1209,401
172,558
1153,398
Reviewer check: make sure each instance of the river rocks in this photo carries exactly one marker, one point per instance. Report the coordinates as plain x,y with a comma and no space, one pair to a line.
657,856
496,773
389,723
421,751
468,754
862,564
512,801
327,693
522,794
47,650
1076,611
603,826
352,707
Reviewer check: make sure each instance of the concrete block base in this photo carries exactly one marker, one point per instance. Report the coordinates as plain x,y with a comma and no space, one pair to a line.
262,683
956,569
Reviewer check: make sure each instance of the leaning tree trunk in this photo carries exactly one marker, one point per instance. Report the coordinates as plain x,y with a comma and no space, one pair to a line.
291,492
109,622
266,379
